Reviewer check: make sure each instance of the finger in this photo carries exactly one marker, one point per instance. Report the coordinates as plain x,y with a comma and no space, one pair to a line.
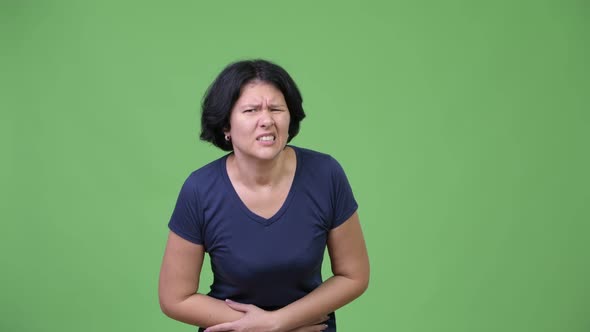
319,327
223,327
321,320
238,306
313,328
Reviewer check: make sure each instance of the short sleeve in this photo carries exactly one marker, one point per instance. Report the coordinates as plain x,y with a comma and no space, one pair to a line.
343,201
186,220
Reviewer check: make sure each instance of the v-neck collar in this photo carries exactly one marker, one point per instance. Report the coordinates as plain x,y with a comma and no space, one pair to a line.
259,219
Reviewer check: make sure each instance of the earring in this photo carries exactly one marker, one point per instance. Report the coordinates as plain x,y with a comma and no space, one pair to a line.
227,137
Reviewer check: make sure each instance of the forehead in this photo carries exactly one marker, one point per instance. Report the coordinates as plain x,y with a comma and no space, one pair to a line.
260,91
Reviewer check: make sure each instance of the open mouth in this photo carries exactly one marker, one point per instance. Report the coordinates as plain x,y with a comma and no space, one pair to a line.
266,138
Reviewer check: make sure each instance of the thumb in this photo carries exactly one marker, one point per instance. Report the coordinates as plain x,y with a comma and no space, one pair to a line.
237,306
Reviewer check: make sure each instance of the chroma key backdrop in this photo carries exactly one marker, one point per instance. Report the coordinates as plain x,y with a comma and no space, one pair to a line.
463,127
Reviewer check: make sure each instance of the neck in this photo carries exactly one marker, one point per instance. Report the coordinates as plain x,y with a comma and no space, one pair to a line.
258,173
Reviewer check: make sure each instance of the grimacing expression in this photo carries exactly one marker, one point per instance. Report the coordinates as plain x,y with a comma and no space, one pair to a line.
259,121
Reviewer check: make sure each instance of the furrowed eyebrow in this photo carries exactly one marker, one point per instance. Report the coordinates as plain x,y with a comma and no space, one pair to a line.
259,105
251,106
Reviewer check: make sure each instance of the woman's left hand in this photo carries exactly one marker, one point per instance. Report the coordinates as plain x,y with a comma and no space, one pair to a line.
254,320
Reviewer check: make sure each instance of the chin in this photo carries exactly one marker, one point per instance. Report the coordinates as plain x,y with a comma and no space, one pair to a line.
261,152
268,153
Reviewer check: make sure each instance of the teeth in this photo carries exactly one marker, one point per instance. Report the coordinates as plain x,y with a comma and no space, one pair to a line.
266,138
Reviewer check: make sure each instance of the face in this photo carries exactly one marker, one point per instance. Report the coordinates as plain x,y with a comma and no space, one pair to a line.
259,122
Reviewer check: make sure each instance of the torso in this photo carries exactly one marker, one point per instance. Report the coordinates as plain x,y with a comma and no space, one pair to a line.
272,256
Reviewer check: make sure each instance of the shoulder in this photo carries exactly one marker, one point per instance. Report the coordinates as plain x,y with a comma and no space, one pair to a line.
319,168
315,159
206,175
323,180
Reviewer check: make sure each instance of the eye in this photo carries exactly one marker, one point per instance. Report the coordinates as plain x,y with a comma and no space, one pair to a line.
250,110
276,110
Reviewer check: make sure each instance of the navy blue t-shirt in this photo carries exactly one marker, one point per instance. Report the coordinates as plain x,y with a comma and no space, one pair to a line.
266,262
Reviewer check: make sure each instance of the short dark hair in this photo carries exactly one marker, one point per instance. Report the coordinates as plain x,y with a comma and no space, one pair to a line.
225,90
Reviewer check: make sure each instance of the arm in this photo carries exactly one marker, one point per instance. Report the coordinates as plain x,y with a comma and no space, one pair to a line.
350,265
179,280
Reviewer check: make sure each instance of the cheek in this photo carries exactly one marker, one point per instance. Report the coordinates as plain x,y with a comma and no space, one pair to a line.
239,126
285,122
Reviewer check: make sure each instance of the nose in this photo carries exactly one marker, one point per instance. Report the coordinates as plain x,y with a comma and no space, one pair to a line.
266,119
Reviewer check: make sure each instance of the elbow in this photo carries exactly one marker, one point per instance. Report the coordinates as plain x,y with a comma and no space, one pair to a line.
366,277
362,285
357,284
363,281
168,306
358,281
357,287
365,285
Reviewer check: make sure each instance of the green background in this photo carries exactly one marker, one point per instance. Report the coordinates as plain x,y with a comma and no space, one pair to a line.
463,127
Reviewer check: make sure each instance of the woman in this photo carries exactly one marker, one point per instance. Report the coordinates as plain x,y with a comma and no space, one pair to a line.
265,214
